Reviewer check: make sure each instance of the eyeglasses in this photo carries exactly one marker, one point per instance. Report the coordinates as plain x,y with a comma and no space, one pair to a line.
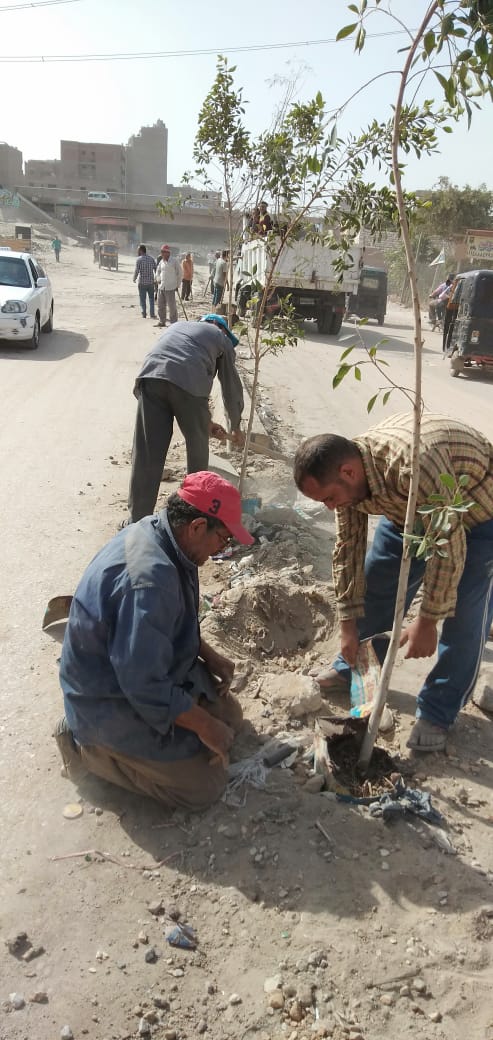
223,537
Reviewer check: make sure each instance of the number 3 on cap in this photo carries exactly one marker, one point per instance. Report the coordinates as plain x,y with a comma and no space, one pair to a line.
215,507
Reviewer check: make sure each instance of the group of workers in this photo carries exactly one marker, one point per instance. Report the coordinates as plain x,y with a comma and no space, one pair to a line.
159,280
147,700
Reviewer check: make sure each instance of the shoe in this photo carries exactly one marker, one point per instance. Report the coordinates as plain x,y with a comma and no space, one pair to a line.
72,766
144,315
125,523
331,681
424,736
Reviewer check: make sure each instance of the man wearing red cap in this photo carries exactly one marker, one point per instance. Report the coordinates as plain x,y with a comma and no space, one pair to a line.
168,277
147,702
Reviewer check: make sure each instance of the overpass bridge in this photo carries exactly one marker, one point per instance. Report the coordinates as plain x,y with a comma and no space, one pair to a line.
130,219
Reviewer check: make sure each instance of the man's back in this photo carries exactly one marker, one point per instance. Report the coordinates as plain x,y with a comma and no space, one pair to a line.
132,636
187,355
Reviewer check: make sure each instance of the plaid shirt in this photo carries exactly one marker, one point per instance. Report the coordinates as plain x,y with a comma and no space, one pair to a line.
447,446
145,267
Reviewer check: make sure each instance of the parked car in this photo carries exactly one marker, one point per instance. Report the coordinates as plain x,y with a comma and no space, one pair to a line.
98,196
26,299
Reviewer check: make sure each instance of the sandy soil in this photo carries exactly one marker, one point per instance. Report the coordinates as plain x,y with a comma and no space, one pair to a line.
358,929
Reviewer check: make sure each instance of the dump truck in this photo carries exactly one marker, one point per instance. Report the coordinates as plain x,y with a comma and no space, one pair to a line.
305,274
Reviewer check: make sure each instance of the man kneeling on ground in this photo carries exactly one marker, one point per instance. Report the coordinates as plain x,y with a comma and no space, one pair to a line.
147,700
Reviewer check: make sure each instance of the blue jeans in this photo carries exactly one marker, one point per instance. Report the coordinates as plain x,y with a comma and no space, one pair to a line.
450,683
144,292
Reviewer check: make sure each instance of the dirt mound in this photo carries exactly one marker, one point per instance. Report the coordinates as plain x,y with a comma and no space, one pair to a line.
273,618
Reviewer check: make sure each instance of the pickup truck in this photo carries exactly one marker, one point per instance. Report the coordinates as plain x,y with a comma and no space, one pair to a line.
306,274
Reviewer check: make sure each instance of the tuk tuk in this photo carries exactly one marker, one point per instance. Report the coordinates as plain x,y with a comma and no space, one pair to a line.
468,327
108,255
370,301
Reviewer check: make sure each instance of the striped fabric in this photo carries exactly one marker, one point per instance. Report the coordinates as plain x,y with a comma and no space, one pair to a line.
447,446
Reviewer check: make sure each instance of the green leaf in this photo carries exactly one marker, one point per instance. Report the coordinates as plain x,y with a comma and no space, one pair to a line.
357,373
346,31
429,42
447,480
463,480
386,396
371,403
345,353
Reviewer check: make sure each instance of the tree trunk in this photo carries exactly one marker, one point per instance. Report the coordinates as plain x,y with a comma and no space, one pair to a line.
379,704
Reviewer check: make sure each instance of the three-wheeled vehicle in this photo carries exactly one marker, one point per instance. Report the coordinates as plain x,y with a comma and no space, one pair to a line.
468,326
370,301
108,255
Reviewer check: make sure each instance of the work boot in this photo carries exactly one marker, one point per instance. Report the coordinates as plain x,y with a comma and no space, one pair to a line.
72,768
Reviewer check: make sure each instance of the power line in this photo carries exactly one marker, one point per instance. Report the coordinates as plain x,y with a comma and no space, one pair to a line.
146,55
40,3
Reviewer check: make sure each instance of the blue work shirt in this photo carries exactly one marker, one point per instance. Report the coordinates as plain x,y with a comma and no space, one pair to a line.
129,659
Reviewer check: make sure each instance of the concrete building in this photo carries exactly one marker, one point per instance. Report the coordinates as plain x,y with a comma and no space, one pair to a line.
91,166
43,173
11,175
147,161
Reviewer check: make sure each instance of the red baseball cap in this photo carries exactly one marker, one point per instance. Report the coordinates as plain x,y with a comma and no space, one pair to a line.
165,247
216,497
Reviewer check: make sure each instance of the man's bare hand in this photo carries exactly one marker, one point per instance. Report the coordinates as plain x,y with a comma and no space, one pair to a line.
221,667
214,734
218,737
238,438
217,431
420,638
349,641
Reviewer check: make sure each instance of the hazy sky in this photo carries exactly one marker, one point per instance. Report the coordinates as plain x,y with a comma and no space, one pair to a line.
110,100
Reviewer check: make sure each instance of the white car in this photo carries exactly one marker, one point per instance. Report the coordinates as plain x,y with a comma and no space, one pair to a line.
26,299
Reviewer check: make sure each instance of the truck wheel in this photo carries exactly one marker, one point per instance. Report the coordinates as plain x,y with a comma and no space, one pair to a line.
336,324
324,321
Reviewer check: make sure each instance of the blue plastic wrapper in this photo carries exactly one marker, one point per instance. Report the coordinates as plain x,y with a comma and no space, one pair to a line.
181,935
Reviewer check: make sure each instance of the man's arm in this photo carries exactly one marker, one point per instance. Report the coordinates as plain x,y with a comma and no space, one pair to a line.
137,269
348,562
231,386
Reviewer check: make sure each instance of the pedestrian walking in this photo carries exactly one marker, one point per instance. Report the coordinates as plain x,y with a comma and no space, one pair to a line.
175,382
220,278
370,475
168,277
144,272
56,245
187,276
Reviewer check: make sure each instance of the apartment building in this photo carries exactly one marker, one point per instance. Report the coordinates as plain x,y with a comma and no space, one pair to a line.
11,175
92,166
147,161
42,173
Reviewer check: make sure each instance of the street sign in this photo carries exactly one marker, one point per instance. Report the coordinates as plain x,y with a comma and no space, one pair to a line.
479,245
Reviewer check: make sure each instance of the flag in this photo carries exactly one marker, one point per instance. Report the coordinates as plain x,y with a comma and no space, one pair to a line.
440,259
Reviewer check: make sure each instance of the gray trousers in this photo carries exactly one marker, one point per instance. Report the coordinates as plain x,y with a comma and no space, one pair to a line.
160,403
166,298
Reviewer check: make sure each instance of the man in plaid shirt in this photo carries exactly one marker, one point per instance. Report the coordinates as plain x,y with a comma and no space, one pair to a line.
371,475
144,271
